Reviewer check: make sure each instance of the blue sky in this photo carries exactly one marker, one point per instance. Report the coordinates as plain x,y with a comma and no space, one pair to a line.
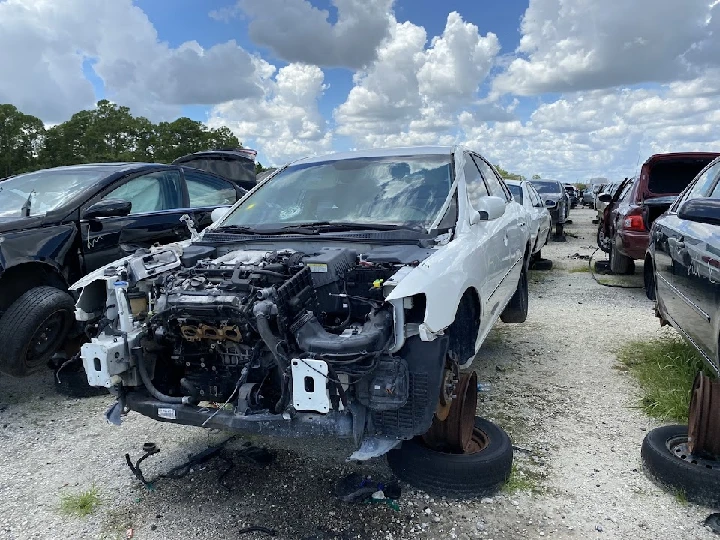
568,89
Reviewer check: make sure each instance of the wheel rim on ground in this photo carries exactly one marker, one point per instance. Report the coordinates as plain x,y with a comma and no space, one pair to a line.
456,434
704,417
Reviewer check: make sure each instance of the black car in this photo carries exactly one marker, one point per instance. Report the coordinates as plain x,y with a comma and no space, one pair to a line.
556,200
58,224
682,265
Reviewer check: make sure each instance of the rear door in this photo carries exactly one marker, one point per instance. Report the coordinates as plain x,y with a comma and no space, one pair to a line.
157,198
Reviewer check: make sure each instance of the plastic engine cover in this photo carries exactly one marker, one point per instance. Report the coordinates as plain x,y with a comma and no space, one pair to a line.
330,265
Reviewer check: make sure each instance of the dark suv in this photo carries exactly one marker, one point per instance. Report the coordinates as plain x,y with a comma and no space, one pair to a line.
661,179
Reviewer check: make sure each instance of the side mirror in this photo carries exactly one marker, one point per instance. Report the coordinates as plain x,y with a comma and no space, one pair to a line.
489,209
219,213
605,197
108,208
702,210
550,204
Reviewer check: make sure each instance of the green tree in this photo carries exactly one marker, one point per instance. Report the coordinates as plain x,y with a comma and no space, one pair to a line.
536,177
509,175
581,186
21,136
184,136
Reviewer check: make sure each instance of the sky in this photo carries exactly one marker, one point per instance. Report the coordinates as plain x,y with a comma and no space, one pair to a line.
568,89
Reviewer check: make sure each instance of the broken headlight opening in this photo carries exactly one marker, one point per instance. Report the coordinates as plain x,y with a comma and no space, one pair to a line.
280,343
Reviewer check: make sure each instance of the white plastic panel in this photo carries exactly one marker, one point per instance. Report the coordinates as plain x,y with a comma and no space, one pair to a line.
310,391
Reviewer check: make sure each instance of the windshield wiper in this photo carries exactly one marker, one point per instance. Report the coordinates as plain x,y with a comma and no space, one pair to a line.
349,226
25,208
282,230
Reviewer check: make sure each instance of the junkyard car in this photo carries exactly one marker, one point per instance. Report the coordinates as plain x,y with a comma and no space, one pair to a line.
556,200
683,264
339,297
540,222
58,224
662,177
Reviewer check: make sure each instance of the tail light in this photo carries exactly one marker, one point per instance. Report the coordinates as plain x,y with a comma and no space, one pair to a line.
634,221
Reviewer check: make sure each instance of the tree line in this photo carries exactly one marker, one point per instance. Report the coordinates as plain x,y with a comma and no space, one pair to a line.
104,134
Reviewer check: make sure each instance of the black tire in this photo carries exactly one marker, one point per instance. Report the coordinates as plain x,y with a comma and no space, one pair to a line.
649,279
700,482
619,263
542,265
559,230
517,309
456,475
33,328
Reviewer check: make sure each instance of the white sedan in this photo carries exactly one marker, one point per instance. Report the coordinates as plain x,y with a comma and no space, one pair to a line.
338,298
540,223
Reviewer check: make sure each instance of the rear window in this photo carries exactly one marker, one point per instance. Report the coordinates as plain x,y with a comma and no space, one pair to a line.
673,176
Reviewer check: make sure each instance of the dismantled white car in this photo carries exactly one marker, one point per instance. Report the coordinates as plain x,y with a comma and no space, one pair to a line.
340,297
539,216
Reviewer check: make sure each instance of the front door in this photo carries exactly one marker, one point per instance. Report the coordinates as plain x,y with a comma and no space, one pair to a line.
157,205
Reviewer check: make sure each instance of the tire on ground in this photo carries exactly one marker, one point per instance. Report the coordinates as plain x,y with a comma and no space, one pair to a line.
649,279
698,483
517,309
456,475
619,263
20,322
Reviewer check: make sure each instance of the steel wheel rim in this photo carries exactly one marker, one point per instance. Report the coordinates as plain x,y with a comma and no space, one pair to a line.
45,337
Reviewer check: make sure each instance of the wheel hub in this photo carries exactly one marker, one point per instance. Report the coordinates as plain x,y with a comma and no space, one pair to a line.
704,417
455,432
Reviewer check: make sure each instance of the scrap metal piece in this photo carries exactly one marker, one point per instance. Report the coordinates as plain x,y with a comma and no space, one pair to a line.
373,447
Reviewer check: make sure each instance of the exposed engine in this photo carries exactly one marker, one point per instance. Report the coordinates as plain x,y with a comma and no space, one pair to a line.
268,333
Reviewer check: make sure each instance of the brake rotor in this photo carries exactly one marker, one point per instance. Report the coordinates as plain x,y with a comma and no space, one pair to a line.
455,432
446,393
704,417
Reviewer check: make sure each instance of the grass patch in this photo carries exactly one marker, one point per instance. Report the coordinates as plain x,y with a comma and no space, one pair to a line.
80,504
578,269
521,480
665,368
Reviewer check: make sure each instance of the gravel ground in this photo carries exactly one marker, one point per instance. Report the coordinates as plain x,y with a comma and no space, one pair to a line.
553,387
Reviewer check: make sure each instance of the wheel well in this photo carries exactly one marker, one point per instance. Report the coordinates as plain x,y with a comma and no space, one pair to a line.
16,280
463,332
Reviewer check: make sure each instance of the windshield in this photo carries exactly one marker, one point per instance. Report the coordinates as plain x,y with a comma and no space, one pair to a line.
402,191
43,191
546,187
516,192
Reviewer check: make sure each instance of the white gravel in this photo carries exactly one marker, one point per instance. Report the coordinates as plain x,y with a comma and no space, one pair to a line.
572,416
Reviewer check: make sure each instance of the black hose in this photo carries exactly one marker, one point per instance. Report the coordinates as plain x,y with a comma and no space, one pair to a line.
263,311
190,389
154,392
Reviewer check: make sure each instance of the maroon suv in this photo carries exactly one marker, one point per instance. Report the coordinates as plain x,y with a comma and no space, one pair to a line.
661,179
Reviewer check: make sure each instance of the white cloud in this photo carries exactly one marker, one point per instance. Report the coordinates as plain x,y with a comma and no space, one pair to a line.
410,94
570,45
298,32
51,40
285,123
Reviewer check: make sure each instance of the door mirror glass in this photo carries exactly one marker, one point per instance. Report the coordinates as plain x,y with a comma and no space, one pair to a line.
701,210
108,208
605,197
550,204
489,209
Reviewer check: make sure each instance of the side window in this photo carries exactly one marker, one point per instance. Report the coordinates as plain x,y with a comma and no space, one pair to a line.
494,185
473,180
205,190
159,190
449,220
704,183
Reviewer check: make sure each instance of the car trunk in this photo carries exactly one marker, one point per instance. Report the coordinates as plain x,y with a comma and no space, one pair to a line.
656,207
237,166
669,176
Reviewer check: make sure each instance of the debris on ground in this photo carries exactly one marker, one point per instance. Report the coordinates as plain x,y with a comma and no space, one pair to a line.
359,488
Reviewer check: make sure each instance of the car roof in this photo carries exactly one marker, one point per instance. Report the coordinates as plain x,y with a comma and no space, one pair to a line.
108,168
378,152
513,182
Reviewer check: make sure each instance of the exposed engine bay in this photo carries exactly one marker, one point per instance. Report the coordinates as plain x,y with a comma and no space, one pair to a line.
284,342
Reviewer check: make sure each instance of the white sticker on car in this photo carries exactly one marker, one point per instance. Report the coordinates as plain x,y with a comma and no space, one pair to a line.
166,413
318,267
